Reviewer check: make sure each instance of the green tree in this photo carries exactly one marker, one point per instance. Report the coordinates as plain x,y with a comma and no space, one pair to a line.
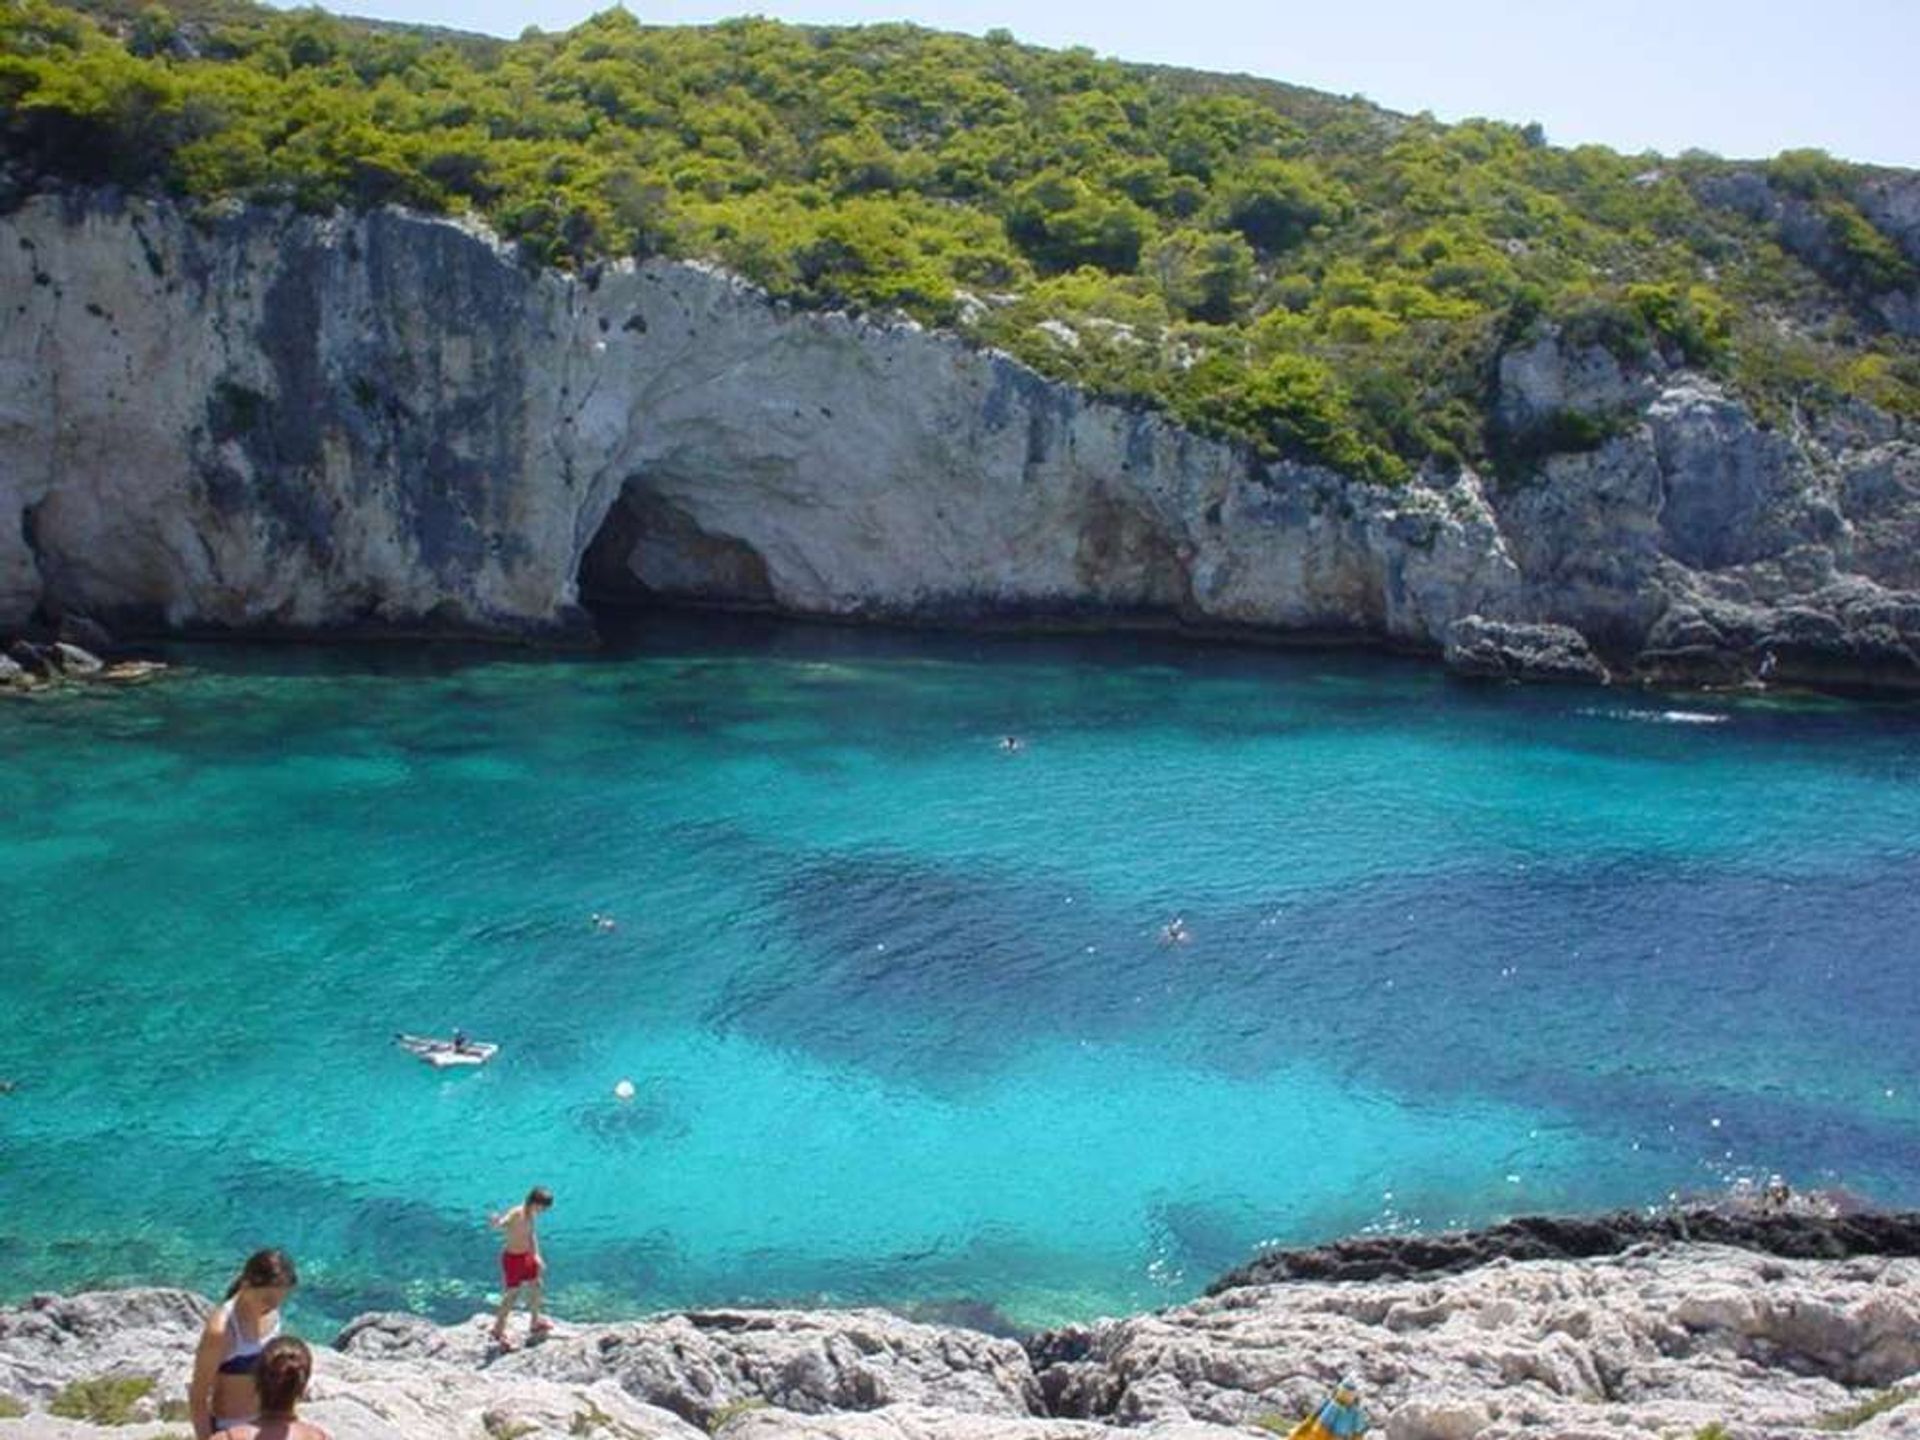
1061,221
1276,204
1204,275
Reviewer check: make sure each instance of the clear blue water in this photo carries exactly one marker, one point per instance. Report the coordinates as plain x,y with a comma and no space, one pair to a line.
896,1003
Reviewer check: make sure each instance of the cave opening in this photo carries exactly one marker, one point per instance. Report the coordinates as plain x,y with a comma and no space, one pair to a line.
650,555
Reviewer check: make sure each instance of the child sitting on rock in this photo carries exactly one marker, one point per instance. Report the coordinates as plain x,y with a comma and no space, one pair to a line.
285,1367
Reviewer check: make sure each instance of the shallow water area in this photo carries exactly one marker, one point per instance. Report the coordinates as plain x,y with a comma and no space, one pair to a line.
904,1017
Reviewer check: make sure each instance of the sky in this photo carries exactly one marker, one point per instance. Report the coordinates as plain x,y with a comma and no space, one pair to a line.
1740,78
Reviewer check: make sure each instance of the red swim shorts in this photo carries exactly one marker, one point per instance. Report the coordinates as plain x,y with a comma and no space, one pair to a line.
519,1269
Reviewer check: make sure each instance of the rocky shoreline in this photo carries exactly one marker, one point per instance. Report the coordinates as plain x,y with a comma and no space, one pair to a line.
1676,1324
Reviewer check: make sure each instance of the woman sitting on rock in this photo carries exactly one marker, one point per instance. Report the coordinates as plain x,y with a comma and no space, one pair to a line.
285,1367
223,1393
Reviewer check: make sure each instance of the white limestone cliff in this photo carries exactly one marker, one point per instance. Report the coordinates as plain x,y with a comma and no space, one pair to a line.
256,421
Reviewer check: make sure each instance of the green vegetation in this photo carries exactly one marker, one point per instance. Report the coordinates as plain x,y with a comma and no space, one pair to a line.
1714,1430
11,1408
1278,1424
1318,277
593,1421
1857,1415
732,1411
103,1399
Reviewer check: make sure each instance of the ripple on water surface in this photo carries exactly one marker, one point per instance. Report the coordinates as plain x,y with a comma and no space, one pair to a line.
901,1007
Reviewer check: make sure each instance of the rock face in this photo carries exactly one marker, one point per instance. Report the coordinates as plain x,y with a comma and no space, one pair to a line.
1478,646
1646,1342
1635,1345
699,1364
1890,200
260,422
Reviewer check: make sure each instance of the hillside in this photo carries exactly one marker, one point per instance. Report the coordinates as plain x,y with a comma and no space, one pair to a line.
1325,279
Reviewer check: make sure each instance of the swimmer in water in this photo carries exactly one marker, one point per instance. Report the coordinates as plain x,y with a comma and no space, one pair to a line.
1175,932
602,923
1010,744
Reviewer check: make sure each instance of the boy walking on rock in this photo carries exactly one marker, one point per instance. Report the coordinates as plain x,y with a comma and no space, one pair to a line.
521,1266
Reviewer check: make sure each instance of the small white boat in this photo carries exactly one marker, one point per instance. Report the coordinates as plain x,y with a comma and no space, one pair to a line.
442,1054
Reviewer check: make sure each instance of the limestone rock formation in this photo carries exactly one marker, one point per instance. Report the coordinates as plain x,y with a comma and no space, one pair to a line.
1891,201
700,1363
1643,1343
1653,1340
1488,648
261,422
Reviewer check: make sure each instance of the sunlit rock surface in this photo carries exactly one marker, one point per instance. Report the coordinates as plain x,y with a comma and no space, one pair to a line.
1657,1339
261,422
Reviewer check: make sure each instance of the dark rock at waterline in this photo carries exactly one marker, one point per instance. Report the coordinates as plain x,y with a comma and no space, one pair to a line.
37,661
1497,650
72,660
1547,1237
88,634
29,664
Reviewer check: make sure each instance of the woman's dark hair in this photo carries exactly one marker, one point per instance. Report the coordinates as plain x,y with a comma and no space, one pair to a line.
285,1367
263,1268
540,1196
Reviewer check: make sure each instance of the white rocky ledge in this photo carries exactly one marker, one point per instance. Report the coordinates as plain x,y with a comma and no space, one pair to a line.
1665,1342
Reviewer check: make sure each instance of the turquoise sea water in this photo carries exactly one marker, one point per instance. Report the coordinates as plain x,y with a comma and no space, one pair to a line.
897,1004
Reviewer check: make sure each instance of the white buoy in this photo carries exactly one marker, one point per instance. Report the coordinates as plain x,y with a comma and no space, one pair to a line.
624,1090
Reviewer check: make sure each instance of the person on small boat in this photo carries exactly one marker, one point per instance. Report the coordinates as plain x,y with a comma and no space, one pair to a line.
521,1265
461,1045
223,1392
286,1365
